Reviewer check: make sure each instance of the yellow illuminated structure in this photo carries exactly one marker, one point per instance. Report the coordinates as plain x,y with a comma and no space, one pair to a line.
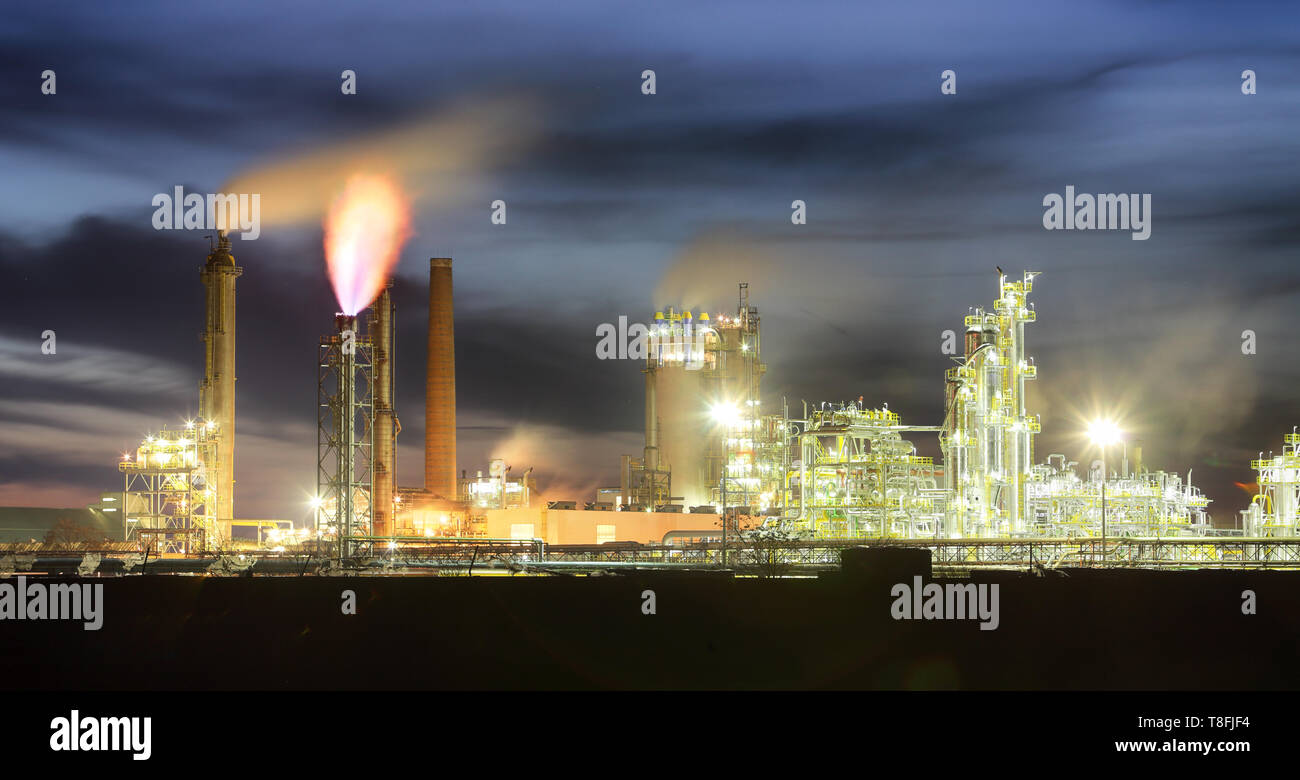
848,471
498,490
857,477
695,364
988,436
217,391
1275,510
1139,503
170,490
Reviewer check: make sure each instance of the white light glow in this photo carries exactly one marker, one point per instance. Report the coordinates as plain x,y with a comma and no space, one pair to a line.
1103,433
725,414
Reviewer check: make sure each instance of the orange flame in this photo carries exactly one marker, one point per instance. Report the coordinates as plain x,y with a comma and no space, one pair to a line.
364,232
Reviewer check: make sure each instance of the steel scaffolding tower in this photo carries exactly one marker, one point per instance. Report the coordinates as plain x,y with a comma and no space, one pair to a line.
169,490
345,436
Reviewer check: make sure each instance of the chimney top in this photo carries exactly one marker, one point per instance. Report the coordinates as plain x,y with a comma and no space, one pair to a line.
440,262
221,254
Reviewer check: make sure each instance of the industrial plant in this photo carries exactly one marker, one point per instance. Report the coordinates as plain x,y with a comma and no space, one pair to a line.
359,354
726,472
846,471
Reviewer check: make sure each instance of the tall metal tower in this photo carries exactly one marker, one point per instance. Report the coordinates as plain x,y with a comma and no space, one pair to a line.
988,436
217,391
345,436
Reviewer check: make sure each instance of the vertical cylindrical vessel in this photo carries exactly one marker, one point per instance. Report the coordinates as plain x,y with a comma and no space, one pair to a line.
347,431
217,392
684,432
381,324
440,386
651,455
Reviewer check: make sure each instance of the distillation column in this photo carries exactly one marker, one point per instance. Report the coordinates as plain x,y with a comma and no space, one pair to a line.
217,391
651,452
988,432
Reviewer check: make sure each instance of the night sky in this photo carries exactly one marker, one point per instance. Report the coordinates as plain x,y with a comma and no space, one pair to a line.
619,203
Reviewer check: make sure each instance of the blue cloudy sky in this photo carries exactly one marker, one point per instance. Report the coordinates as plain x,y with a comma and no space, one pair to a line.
620,203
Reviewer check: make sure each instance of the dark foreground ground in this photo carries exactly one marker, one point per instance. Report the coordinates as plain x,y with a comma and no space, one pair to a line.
1106,630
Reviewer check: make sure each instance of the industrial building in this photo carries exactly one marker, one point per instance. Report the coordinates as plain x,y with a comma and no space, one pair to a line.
170,492
847,471
1275,510
702,384
851,474
498,490
854,475
987,434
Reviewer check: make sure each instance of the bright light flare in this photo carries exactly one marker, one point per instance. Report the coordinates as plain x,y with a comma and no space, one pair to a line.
725,414
1103,432
365,229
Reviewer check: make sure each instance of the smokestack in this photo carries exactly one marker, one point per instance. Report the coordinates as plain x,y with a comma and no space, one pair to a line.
440,386
381,329
217,391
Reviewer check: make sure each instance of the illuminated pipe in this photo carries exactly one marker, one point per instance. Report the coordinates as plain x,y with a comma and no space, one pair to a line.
707,534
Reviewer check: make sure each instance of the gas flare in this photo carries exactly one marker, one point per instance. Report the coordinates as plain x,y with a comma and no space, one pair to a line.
365,228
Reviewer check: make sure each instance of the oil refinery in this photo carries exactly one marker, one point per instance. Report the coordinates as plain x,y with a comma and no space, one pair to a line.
766,528
359,354
726,473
